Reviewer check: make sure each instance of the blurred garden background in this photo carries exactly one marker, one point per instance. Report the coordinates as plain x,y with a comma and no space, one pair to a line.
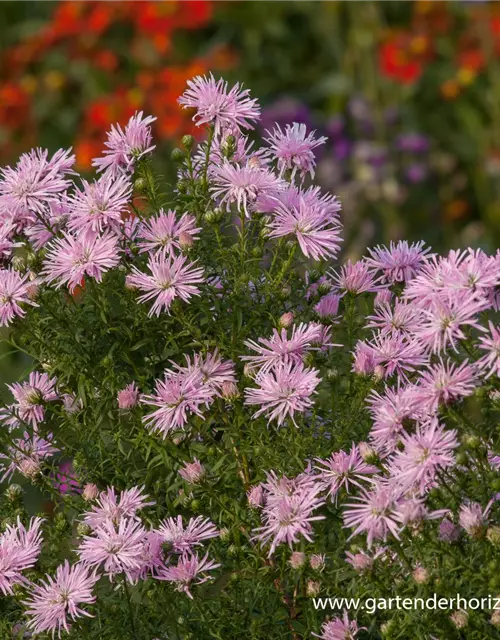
408,94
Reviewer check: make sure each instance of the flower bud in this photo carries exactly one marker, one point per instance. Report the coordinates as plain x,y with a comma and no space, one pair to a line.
230,391
460,619
495,618
367,452
185,240
177,155
192,472
187,142
140,185
317,562
18,263
420,575
90,492
286,320
297,560
83,529
255,496
312,588
13,492
493,535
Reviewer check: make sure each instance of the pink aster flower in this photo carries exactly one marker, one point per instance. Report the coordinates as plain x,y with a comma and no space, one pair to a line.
19,550
128,397
473,518
397,354
215,372
355,278
361,561
151,558
280,349
448,531
116,547
364,359
328,306
442,321
100,204
443,383
176,397
283,391
375,513
398,263
412,511
65,480
124,147
214,104
7,244
490,363
31,396
34,183
425,452
14,294
171,277
192,472
71,258
317,233
243,186
342,469
293,149
188,568
339,629
183,539
110,507
165,231
55,600
389,413
398,318
27,455
289,512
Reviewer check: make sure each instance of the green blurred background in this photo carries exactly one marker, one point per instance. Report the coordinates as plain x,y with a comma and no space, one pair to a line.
407,92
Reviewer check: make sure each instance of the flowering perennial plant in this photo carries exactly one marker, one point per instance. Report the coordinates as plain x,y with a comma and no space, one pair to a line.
223,419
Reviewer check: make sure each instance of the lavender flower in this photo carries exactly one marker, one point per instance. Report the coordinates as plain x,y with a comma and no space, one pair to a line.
293,149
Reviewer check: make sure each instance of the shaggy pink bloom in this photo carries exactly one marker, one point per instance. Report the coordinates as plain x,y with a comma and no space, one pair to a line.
441,322
215,372
443,383
364,359
124,147
187,569
317,233
355,278
117,547
55,600
280,349
110,507
293,149
255,496
374,513
100,204
397,354
27,454
339,629
243,186
32,396
72,258
283,391
360,562
382,297
389,413
176,397
214,104
289,512
19,550
34,183
151,558
192,472
412,511
297,560
182,540
14,292
128,397
490,363
171,277
400,318
167,232
400,262
425,452
473,518
342,469
328,306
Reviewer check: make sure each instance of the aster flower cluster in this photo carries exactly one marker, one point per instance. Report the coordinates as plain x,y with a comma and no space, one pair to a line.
215,397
